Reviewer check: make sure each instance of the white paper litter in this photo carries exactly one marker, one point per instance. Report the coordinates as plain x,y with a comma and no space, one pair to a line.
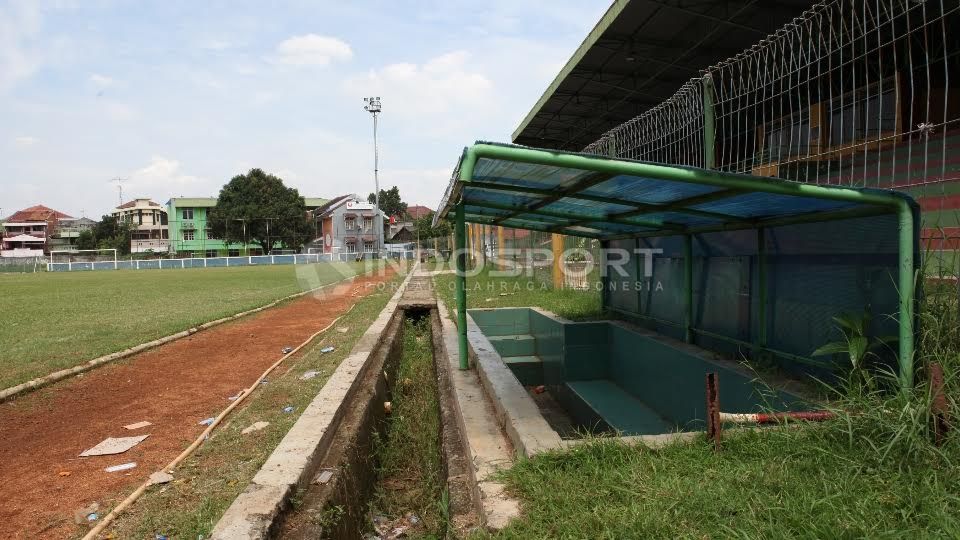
256,426
121,467
138,425
309,375
114,445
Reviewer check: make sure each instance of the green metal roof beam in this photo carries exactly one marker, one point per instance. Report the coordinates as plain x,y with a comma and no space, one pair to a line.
646,207
479,218
556,195
575,219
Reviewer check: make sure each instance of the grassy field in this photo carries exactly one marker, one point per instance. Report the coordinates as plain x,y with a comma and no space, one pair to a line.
57,320
208,481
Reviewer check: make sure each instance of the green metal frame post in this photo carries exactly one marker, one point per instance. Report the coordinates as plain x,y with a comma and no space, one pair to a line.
907,293
709,124
460,251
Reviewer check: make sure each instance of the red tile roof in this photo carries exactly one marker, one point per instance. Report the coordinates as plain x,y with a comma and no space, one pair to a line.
38,213
133,203
417,211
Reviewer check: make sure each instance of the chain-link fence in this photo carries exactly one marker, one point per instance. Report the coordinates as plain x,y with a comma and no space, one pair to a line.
853,92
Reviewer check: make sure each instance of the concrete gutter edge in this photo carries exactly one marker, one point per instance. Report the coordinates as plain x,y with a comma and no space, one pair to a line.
518,414
253,512
486,444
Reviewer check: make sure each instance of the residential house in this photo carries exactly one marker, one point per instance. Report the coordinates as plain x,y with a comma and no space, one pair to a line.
68,231
418,211
191,236
347,225
150,232
27,232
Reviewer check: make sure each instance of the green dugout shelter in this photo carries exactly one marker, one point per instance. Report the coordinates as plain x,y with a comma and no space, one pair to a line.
797,254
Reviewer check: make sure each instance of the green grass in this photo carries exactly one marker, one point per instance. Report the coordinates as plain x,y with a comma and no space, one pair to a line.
57,320
410,475
208,481
484,291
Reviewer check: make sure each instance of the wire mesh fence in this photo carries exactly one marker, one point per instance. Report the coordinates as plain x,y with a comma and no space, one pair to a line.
853,92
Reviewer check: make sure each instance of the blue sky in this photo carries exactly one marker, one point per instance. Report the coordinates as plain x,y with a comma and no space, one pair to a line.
179,96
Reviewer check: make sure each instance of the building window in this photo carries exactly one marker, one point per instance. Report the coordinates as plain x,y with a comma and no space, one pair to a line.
188,235
233,253
255,251
188,213
350,247
211,253
210,235
367,245
349,223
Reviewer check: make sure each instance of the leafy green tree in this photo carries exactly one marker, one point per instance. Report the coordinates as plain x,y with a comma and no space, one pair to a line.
390,202
258,207
110,233
425,229
86,240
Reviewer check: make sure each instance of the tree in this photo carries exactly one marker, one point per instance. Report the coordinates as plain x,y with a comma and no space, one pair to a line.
86,240
110,233
390,202
425,229
257,207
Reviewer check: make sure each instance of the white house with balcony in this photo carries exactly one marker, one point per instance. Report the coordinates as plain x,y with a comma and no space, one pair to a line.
349,224
149,232
27,232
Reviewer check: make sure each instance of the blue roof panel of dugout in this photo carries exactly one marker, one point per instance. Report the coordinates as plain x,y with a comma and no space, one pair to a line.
601,197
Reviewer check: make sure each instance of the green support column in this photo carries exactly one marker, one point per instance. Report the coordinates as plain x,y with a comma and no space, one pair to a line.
907,293
762,286
459,229
688,288
709,124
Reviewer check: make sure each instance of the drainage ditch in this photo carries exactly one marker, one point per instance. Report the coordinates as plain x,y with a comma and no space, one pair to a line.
397,465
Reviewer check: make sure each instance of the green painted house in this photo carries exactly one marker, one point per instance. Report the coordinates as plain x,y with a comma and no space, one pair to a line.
190,235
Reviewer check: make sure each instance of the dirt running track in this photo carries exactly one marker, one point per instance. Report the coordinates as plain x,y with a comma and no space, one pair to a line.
174,386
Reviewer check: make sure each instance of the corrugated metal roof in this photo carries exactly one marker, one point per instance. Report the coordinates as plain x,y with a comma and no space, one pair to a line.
600,197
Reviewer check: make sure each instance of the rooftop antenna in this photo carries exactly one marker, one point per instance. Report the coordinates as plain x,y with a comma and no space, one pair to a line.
119,182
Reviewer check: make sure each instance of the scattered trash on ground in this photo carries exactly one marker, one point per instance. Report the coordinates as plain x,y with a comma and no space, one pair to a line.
265,381
161,537
256,426
287,350
391,530
82,515
111,445
323,477
63,474
138,425
506,293
539,389
387,407
161,477
309,375
413,518
121,467
488,299
325,350
234,398
288,408
207,421
343,329
407,381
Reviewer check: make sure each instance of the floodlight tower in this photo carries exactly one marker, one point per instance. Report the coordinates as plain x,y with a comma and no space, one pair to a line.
373,107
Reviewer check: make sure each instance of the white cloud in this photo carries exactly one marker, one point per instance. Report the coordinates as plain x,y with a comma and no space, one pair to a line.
440,94
163,178
101,81
26,140
120,112
19,59
313,50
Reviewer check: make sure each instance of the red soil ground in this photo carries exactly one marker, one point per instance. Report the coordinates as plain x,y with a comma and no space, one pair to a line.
173,386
